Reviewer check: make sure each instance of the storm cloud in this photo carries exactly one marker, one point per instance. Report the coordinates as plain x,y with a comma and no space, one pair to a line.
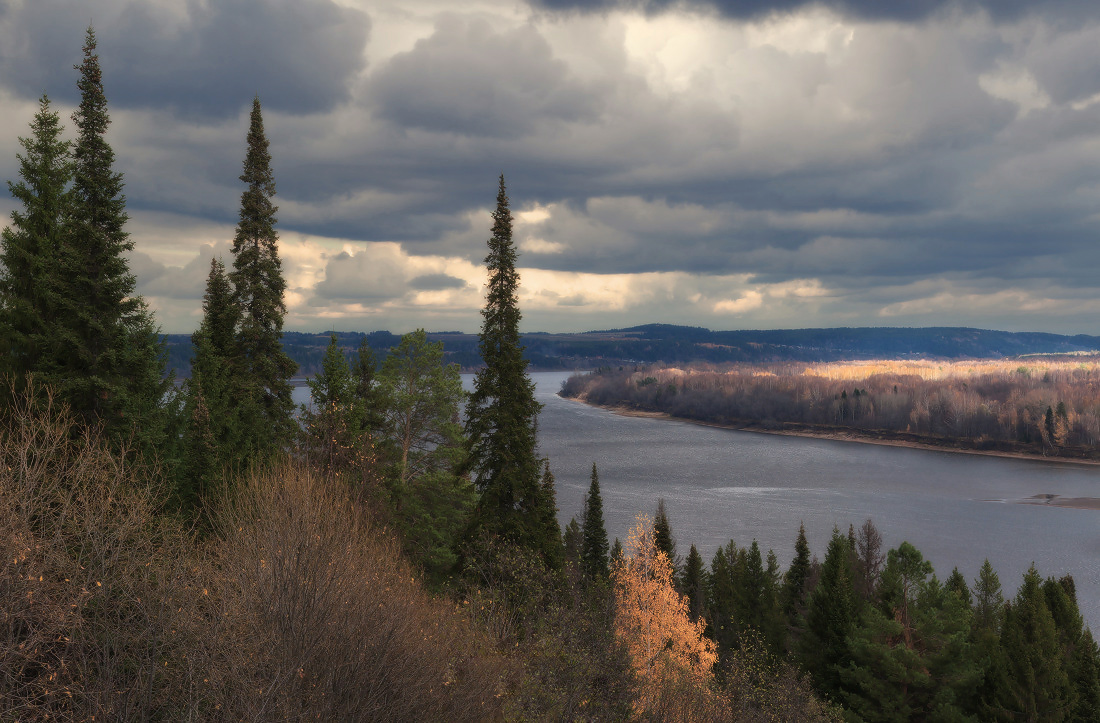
196,58
728,164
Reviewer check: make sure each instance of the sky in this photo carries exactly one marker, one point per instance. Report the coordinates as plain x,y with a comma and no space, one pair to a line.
733,164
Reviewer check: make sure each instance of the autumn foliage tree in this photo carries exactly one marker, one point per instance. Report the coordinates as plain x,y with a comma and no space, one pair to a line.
652,621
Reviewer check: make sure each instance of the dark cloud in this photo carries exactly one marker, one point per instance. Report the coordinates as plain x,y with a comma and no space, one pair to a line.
436,282
467,79
373,275
199,58
1069,70
903,10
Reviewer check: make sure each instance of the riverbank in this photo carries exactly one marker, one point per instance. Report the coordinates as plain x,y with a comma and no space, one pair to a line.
879,437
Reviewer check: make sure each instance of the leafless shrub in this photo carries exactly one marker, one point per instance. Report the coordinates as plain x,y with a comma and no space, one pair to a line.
85,619
297,609
329,622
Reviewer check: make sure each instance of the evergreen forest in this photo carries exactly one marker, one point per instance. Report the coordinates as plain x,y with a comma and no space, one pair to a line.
201,549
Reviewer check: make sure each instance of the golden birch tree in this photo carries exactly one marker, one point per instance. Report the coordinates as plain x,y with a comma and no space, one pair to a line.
652,621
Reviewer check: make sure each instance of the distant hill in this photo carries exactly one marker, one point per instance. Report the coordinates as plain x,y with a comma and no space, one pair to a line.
672,344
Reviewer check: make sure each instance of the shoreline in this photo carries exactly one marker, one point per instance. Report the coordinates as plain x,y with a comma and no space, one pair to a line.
855,436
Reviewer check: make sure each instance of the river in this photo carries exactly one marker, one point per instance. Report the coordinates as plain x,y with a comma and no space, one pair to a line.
718,484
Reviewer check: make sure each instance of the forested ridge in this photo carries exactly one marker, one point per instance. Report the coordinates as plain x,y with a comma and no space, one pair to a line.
665,343
1042,405
205,551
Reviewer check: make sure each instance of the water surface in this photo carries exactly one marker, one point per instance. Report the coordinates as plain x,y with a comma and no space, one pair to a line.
718,484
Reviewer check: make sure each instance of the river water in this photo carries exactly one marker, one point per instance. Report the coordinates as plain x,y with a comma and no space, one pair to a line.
718,485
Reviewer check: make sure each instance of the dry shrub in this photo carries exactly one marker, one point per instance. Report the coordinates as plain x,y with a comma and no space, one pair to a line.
557,629
85,615
322,619
761,687
296,610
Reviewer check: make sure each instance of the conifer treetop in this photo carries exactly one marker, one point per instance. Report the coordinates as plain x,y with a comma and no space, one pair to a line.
98,188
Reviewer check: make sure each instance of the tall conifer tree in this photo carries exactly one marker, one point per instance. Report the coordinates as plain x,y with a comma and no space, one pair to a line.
108,356
502,413
830,618
212,436
262,367
662,534
30,245
694,586
794,582
594,546
1032,683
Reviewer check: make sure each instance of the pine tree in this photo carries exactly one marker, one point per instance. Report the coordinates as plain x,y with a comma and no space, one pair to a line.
108,360
262,366
594,544
431,500
29,248
502,413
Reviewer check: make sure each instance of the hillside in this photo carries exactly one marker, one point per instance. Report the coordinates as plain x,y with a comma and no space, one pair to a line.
664,343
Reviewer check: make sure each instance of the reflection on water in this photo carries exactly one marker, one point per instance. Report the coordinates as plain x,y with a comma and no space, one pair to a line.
720,484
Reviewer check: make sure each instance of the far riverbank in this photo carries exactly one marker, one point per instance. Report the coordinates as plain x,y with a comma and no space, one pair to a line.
882,438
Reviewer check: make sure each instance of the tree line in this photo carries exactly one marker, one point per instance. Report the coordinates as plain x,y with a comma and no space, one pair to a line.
1039,405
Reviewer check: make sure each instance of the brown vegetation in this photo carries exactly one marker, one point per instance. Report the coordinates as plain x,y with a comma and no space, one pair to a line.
1036,405
295,608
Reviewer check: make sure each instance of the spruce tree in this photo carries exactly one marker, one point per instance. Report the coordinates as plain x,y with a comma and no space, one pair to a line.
956,583
212,437
1032,683
108,359
261,365
694,584
662,534
502,414
830,618
368,394
571,541
724,597
29,248
330,434
794,581
594,544
616,554
1085,678
551,551
988,600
